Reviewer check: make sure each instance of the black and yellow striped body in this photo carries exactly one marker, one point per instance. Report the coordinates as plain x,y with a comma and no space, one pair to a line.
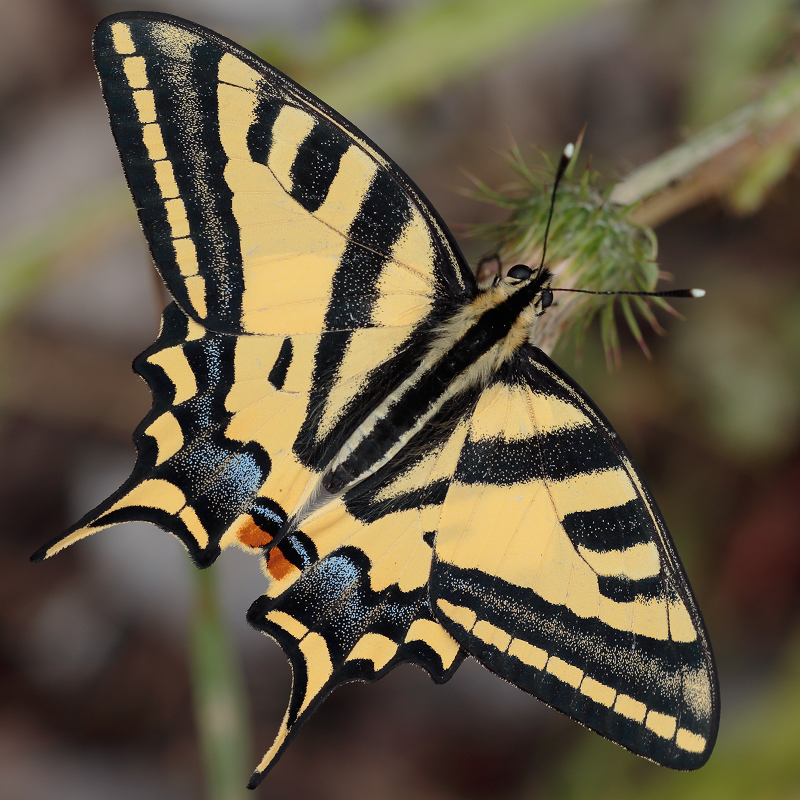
333,393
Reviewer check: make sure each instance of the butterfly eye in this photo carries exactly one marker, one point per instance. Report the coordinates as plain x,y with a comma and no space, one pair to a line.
520,272
547,298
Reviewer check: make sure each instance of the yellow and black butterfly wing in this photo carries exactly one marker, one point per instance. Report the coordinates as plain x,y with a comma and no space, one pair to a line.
349,597
308,274
253,193
192,477
337,623
309,269
554,569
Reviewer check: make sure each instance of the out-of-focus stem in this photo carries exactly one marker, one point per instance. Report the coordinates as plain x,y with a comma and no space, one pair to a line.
720,159
218,695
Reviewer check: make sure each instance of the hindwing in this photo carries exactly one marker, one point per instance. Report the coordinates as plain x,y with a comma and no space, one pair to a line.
554,569
214,454
296,250
338,622
360,604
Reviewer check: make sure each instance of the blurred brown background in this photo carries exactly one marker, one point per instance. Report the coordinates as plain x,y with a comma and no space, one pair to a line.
95,698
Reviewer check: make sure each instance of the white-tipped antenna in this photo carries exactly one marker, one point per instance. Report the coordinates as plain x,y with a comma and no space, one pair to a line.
666,293
563,163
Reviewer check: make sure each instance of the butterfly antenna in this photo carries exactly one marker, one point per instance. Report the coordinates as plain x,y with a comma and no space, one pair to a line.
566,157
667,293
563,163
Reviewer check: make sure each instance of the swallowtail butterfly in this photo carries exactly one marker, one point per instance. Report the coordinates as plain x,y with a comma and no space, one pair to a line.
334,393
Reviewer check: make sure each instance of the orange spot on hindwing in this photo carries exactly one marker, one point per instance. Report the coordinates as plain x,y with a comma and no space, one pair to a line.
278,565
251,535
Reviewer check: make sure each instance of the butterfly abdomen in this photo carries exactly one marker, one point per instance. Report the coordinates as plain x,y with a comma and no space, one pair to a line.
468,350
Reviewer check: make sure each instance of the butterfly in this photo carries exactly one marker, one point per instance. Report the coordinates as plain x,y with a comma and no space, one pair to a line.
334,393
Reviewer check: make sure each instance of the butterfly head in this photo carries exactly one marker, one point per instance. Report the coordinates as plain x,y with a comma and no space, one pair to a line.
523,275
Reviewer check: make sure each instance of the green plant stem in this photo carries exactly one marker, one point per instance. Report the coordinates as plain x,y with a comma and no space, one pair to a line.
719,159
219,697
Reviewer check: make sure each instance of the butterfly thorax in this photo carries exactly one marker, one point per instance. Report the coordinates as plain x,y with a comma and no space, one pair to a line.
467,350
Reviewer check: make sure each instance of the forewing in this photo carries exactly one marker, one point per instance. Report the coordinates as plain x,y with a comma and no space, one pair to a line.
267,213
554,569
252,193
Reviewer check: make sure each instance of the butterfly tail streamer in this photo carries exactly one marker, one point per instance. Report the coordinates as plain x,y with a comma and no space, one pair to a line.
334,629
189,479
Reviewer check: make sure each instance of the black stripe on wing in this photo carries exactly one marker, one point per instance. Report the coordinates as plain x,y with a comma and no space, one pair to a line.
565,453
377,226
373,499
625,590
315,448
187,112
317,164
277,375
318,156
604,529
259,134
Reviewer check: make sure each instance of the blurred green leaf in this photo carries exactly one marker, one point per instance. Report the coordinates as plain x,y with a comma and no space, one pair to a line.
741,362
415,52
24,265
767,171
740,37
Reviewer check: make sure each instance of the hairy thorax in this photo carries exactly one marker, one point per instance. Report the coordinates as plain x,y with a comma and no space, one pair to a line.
467,350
